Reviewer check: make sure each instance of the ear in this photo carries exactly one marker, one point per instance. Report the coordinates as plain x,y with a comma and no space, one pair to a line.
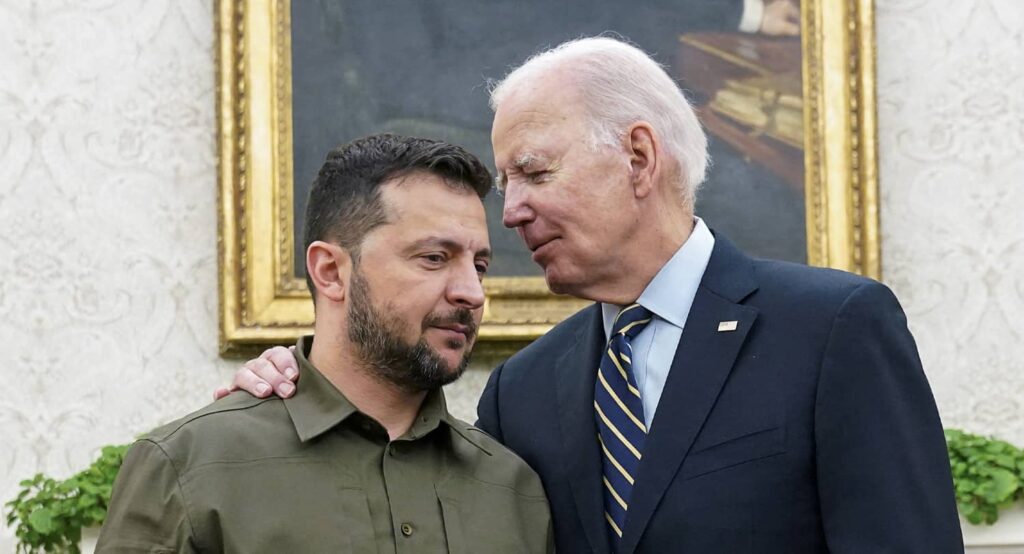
330,268
642,147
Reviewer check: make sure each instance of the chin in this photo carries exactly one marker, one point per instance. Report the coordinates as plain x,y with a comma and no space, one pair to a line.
556,287
558,283
451,353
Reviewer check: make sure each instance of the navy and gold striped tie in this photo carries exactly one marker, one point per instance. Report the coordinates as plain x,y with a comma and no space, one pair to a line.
620,417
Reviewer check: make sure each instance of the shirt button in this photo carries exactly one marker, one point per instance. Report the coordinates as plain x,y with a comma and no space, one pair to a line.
407,529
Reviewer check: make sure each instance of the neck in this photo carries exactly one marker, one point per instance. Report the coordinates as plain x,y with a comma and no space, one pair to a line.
660,242
393,407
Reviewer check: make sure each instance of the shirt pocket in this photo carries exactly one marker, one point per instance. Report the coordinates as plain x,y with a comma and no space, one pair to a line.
484,517
733,451
281,505
358,525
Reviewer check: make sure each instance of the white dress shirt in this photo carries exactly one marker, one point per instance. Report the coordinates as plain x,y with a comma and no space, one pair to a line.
669,297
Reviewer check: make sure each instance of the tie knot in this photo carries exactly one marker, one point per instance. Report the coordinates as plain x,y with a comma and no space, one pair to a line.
631,320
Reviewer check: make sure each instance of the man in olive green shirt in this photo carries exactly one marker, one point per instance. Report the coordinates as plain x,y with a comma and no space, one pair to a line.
364,457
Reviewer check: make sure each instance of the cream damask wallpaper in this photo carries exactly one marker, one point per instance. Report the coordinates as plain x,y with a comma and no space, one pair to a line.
951,126
107,227
107,217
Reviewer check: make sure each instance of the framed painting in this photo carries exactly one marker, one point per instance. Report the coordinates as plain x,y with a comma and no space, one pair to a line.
790,119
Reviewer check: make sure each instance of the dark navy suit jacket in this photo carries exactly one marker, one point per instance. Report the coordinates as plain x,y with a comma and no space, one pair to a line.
810,428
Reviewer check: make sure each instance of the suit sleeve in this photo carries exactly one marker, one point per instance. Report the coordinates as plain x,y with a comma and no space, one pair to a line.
883,472
147,510
487,409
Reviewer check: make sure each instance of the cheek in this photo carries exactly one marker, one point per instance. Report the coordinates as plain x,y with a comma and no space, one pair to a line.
564,208
406,314
411,307
414,286
596,194
590,219
593,238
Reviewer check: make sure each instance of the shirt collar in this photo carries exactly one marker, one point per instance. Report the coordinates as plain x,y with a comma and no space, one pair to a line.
670,294
433,412
317,405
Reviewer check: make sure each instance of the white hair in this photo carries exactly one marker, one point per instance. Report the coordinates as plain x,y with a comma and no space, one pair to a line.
619,85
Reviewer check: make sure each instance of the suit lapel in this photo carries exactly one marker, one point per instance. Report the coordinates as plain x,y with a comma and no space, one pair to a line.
577,370
702,363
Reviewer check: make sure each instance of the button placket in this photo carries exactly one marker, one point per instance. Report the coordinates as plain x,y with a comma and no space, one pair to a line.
393,483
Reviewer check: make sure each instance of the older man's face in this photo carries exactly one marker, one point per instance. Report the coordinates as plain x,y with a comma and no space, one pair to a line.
571,203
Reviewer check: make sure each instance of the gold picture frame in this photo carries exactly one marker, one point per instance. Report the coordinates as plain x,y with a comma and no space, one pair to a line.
263,303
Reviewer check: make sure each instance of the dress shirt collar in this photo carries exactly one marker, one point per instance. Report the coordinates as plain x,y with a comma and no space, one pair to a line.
670,294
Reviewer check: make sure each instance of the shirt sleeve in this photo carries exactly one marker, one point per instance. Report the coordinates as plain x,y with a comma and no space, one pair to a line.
753,14
147,511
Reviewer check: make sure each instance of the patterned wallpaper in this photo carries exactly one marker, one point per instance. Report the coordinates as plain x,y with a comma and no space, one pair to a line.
951,120
108,229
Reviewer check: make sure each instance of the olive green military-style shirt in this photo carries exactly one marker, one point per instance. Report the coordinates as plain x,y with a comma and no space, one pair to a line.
313,474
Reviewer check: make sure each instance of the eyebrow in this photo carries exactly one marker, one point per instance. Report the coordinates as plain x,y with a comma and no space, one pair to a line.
523,160
450,245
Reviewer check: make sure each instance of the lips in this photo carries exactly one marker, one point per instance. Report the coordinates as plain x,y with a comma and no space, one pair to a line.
537,244
464,330
458,322
540,249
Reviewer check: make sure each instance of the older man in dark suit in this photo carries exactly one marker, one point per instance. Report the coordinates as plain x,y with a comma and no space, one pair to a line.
707,401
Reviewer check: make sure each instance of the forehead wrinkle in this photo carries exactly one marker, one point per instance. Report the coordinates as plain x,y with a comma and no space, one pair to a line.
525,123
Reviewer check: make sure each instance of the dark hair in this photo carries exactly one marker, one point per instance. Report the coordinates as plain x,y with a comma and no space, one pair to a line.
344,202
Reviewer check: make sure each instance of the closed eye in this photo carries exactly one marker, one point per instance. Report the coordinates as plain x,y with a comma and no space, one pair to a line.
538,176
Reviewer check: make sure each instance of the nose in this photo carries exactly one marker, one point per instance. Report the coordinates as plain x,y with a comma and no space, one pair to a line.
465,289
516,211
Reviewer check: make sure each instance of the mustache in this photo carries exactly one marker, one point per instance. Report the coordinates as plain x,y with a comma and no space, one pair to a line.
459,316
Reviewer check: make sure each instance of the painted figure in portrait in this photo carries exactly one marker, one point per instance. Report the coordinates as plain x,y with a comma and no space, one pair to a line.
422,67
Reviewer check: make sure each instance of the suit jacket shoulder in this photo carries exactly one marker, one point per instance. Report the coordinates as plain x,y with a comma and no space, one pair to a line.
558,338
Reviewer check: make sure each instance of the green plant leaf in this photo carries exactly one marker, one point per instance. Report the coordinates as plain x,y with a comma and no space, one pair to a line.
1000,487
1005,460
41,519
48,515
988,474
